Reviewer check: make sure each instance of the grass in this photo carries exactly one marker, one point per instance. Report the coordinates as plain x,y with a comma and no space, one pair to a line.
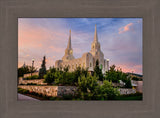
136,96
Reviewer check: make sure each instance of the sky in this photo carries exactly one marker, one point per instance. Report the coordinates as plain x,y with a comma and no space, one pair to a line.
120,40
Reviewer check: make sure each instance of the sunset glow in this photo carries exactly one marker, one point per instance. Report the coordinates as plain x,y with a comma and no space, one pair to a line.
120,39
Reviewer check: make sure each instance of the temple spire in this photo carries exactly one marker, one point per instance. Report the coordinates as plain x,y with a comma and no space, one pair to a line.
69,41
95,34
68,51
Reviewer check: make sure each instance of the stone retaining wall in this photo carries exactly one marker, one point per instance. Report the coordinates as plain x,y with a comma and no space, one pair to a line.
35,81
51,90
63,90
29,74
125,91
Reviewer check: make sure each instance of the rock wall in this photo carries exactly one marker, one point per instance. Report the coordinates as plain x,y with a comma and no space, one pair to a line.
51,90
64,90
125,91
35,81
29,74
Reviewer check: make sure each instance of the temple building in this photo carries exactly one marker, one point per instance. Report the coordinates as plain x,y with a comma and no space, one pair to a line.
88,59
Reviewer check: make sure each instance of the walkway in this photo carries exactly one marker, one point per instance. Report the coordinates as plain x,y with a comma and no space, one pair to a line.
24,97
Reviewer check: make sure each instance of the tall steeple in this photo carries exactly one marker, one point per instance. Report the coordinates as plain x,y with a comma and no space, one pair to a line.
95,44
69,41
95,34
96,50
68,52
95,47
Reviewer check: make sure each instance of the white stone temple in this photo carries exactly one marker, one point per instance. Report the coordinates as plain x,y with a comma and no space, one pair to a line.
88,59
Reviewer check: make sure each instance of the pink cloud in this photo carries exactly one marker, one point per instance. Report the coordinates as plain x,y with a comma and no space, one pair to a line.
38,37
134,68
38,41
56,49
125,28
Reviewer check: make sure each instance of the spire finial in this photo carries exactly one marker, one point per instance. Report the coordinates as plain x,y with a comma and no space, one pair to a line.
69,41
95,34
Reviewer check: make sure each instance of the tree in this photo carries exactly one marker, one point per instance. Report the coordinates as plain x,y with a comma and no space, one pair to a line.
98,71
49,78
128,84
42,70
89,89
52,69
25,69
66,69
107,91
115,75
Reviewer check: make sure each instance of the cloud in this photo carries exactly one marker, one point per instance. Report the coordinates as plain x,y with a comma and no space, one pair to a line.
56,49
126,28
135,69
49,36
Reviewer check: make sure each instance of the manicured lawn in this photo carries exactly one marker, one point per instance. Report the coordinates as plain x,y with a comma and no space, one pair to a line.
127,97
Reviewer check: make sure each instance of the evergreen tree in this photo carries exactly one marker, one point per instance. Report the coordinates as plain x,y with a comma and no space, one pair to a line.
26,69
42,70
98,71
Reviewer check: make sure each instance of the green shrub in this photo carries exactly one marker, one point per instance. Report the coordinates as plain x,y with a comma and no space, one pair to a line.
23,91
115,75
107,90
98,71
127,83
89,89
65,77
49,78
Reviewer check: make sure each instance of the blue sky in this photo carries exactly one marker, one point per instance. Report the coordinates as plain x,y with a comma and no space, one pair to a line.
120,39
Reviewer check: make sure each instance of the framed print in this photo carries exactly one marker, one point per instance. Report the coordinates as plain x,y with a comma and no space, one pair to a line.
101,59
112,39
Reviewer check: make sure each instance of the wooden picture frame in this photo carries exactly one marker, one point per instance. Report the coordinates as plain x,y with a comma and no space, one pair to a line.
10,11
